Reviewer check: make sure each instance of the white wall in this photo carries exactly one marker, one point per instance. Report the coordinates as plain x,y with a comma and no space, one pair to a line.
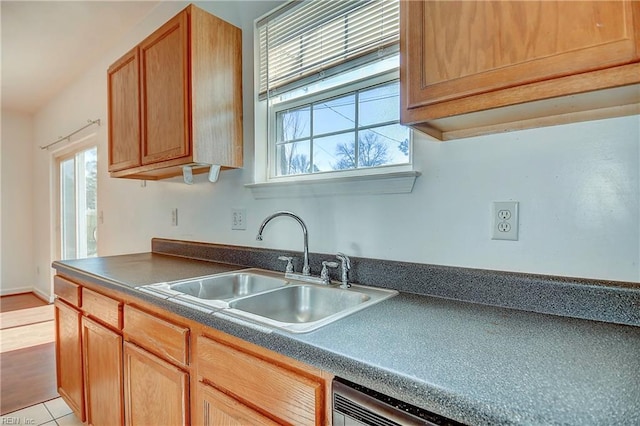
577,185
16,176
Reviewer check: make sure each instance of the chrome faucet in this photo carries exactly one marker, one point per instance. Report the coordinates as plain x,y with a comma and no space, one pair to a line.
345,266
305,266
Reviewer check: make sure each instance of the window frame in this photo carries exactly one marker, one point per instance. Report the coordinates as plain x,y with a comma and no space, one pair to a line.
388,179
335,92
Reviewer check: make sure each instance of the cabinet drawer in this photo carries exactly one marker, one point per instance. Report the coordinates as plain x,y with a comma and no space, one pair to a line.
283,393
102,308
157,335
67,290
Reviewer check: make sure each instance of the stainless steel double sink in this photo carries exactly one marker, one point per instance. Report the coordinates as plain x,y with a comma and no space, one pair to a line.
268,298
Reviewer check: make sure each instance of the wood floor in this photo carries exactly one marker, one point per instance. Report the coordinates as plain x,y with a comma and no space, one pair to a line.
27,352
20,301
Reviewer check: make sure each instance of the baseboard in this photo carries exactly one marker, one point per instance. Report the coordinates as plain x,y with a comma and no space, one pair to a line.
47,298
15,291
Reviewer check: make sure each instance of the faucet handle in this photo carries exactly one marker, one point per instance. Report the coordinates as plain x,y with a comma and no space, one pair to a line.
346,266
324,274
289,268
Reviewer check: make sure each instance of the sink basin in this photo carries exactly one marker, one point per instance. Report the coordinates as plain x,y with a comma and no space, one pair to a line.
268,298
300,303
300,308
212,292
227,286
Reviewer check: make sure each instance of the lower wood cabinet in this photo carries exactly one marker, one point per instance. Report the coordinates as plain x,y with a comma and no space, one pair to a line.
164,338
155,391
69,369
124,361
278,390
102,350
215,408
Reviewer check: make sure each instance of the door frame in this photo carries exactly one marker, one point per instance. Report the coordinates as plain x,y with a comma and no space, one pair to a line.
56,157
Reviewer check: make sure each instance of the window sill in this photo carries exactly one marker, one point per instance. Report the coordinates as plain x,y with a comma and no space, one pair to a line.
387,183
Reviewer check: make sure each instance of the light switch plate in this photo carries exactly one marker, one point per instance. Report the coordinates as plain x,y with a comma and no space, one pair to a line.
239,219
174,217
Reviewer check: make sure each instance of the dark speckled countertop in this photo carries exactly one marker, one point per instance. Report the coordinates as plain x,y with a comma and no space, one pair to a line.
134,270
477,364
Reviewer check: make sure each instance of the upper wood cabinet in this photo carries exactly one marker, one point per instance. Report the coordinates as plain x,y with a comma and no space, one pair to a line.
164,60
475,67
124,112
176,99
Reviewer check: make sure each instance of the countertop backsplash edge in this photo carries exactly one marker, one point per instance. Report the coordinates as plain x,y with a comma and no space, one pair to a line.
598,300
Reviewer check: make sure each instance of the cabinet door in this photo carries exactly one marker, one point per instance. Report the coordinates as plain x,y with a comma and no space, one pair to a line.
462,48
165,92
155,392
69,357
123,80
103,374
216,408
290,396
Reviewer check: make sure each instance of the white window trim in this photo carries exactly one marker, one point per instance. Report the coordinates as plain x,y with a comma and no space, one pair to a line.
398,182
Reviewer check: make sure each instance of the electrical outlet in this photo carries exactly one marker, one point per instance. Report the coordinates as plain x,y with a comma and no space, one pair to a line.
238,219
504,220
174,217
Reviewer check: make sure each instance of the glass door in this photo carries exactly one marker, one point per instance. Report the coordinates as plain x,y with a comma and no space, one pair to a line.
78,204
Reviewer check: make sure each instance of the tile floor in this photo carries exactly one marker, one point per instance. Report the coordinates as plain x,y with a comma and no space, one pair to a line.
50,413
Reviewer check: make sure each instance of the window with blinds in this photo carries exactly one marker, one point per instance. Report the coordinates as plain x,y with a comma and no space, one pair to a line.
306,41
328,82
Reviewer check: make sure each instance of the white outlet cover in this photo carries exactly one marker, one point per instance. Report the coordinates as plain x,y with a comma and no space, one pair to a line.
504,220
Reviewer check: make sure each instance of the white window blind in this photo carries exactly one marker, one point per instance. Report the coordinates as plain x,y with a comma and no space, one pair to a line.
309,40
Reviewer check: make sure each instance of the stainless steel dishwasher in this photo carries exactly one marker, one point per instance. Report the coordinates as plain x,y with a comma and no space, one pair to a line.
355,405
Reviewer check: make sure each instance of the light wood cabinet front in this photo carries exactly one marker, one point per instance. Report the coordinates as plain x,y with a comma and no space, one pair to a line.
69,369
156,392
154,372
102,308
165,92
214,408
176,100
123,80
68,291
461,57
288,395
164,338
102,350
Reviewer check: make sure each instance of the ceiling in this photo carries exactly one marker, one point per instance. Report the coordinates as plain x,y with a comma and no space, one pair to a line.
47,44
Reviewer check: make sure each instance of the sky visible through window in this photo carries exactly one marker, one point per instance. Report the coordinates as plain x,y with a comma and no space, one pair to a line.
321,136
